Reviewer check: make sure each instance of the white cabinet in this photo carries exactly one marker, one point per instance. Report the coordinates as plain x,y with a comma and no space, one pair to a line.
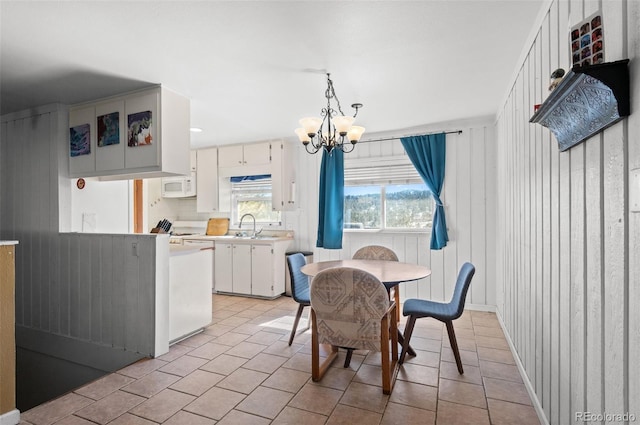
207,178
251,268
254,154
223,269
233,268
262,284
283,176
193,161
136,135
242,282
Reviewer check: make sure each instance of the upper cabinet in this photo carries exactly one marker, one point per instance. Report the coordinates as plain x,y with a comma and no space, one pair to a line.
137,135
255,154
207,178
283,176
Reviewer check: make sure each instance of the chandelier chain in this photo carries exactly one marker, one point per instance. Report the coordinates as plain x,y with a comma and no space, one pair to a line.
331,93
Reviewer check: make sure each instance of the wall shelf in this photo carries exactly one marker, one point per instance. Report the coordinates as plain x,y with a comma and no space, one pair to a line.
587,100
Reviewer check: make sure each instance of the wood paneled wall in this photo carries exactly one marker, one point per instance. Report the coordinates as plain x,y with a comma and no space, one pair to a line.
91,289
469,196
568,245
7,330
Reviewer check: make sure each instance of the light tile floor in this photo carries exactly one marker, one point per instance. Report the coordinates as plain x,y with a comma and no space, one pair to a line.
240,370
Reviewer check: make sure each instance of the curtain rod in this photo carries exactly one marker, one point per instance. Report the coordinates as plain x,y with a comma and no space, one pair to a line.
399,137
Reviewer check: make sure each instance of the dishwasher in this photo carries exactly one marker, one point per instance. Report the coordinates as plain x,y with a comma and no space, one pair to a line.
204,244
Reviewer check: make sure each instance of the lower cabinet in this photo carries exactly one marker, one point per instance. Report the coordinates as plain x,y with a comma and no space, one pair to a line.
262,279
250,268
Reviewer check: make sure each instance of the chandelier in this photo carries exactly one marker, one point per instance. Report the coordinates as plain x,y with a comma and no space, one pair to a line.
332,130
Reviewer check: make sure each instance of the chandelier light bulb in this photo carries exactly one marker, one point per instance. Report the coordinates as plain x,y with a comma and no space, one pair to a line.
311,125
342,124
355,133
303,136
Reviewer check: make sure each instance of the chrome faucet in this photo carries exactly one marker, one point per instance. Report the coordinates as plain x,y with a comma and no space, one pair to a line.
254,224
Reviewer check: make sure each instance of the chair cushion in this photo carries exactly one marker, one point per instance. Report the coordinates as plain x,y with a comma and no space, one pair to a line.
423,308
349,305
375,252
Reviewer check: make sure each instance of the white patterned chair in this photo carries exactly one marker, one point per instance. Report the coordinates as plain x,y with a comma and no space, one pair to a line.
350,308
377,252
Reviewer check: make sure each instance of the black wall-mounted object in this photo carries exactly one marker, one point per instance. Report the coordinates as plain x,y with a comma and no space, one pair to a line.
587,100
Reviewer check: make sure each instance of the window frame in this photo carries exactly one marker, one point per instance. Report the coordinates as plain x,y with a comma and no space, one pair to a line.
236,189
378,163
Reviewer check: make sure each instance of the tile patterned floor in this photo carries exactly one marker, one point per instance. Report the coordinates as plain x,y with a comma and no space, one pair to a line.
240,370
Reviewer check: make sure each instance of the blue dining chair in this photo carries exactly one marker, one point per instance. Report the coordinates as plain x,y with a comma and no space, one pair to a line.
444,312
299,288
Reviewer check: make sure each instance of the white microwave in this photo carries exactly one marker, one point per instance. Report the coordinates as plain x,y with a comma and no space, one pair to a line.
179,187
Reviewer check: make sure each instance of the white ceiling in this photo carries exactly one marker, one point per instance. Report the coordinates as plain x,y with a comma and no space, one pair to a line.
252,69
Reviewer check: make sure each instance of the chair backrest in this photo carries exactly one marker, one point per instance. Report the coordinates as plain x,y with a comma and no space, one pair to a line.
349,304
299,281
375,252
462,286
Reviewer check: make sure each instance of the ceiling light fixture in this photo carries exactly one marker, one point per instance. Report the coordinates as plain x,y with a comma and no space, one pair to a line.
195,130
332,130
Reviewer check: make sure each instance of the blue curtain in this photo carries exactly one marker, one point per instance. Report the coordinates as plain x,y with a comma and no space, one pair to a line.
427,153
331,200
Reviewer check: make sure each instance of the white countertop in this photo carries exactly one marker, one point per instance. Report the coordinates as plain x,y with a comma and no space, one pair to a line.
262,240
9,242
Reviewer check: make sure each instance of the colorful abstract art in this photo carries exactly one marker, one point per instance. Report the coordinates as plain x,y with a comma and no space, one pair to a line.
109,129
139,133
80,140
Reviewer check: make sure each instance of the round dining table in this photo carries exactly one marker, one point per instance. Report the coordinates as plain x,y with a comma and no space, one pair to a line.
390,273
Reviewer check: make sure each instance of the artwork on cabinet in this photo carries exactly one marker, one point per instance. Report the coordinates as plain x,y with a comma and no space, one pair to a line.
80,140
587,41
140,125
109,129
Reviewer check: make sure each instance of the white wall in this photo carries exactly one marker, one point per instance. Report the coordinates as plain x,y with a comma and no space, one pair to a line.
568,245
469,197
102,206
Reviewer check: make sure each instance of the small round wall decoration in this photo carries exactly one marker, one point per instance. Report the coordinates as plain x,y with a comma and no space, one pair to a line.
80,183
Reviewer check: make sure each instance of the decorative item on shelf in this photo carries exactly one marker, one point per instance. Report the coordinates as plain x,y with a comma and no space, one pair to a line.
587,41
332,130
556,77
589,99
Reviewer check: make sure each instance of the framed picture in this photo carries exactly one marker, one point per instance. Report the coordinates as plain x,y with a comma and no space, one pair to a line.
80,140
109,129
140,129
587,41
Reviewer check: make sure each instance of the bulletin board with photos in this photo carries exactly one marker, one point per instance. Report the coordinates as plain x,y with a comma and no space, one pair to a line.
587,41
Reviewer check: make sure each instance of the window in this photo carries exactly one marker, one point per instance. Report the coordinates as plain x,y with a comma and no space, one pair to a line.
386,195
252,195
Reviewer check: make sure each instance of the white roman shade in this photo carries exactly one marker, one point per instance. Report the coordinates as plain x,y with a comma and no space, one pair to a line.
380,171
